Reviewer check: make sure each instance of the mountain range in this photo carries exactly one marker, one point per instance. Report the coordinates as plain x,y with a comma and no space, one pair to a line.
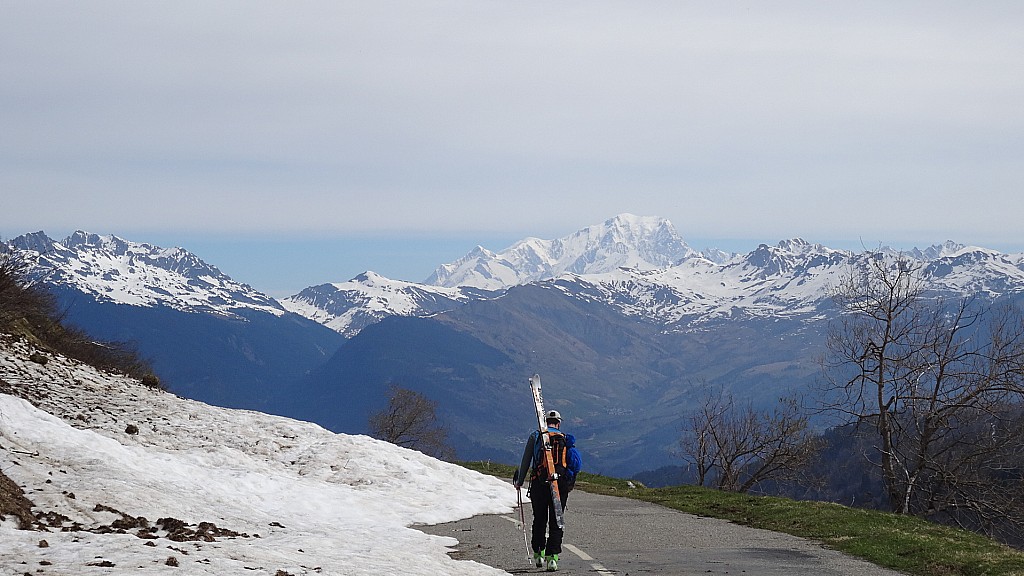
627,325
208,337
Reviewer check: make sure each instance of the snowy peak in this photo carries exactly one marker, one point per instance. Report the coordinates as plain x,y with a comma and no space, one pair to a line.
348,307
801,246
785,258
175,260
625,241
947,248
113,269
970,269
110,243
717,255
485,269
35,242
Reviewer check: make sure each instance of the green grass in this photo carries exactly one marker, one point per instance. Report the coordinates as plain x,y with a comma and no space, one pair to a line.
903,543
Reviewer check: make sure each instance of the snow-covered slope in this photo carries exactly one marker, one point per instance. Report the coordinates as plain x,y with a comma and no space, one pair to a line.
135,473
348,307
117,270
623,241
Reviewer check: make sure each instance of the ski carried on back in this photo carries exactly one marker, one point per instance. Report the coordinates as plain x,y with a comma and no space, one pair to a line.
538,401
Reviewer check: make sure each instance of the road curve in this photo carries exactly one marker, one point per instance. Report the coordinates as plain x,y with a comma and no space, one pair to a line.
606,535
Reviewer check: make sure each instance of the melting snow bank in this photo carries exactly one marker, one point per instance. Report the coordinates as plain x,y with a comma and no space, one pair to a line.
135,480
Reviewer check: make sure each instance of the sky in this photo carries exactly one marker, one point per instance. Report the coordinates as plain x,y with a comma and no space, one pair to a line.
318,501
298,143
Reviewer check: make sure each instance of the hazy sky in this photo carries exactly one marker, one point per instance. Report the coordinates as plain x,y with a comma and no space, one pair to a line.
397,135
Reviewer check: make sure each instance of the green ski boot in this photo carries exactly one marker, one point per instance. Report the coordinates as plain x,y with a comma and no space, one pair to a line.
538,558
552,563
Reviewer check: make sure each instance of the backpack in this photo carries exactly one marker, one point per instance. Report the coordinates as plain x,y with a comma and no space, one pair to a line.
564,456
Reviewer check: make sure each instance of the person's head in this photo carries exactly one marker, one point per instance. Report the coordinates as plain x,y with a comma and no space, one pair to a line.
554,419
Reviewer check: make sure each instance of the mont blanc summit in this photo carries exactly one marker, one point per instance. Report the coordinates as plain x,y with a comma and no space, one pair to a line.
625,241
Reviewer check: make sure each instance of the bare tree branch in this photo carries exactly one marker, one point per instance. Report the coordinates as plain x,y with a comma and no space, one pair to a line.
941,384
737,448
410,420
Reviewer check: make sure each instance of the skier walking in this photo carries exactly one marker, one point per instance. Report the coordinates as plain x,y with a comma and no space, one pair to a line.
547,544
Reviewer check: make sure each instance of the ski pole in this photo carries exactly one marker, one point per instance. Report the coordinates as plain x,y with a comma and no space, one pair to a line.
522,522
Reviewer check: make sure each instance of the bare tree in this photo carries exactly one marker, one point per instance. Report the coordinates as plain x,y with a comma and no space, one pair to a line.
941,383
410,420
735,448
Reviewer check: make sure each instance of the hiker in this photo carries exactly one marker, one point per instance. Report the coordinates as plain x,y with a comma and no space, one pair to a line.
567,465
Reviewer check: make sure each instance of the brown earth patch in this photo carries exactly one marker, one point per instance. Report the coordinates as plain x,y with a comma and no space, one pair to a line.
14,503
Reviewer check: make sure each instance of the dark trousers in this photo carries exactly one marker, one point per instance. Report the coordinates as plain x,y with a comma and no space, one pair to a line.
544,513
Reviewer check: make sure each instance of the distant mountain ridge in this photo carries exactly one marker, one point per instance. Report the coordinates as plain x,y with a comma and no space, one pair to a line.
348,307
639,265
791,278
642,266
623,251
115,270
208,336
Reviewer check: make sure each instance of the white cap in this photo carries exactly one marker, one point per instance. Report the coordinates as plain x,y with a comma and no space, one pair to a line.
554,415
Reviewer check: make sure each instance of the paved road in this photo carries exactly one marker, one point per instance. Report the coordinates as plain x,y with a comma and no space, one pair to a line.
606,535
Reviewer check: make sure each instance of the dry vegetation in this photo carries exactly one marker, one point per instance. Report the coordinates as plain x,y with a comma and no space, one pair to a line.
29,310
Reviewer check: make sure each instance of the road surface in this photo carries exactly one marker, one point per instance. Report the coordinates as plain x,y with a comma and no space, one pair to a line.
606,535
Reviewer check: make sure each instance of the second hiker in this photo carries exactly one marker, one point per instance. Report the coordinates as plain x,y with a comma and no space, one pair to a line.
547,544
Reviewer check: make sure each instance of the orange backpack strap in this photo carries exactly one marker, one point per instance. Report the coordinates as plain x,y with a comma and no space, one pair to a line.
559,456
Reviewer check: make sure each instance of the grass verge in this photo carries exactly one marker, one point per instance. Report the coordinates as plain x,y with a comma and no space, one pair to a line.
903,543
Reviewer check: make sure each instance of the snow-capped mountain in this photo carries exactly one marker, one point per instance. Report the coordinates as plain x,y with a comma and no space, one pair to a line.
972,270
717,256
348,307
639,264
792,278
112,269
643,267
641,243
623,241
206,335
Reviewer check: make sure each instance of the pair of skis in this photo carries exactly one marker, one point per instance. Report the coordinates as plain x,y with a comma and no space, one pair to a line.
542,426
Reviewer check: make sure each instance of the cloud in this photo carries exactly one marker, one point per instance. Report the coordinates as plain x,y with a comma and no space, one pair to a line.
731,119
